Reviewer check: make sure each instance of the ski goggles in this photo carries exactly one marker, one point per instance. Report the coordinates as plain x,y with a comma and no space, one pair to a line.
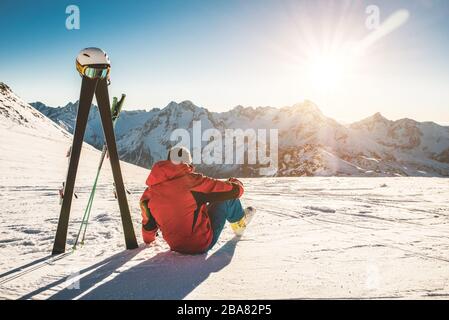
91,72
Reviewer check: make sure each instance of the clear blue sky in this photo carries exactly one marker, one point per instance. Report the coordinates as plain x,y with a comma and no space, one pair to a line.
220,54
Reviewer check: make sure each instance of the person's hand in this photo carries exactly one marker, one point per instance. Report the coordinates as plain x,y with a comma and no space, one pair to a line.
235,180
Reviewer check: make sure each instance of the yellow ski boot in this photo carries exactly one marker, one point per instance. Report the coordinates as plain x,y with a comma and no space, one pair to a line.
240,226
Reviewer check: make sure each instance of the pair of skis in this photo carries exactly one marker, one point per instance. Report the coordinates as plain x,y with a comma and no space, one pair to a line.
115,112
91,87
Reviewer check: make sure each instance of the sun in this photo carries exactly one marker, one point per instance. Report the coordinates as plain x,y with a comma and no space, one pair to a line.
326,71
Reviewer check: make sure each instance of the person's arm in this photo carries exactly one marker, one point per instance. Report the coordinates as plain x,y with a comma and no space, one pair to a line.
212,190
149,225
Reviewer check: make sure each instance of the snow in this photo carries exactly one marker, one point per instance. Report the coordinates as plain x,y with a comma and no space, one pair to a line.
311,238
317,237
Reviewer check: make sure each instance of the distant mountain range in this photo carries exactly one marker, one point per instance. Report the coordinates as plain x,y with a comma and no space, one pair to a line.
310,144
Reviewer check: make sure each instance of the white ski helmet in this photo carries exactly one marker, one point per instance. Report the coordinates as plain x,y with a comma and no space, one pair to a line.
178,155
93,63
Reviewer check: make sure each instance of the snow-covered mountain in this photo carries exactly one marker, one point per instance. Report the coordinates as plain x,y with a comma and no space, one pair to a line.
30,140
17,115
309,142
65,117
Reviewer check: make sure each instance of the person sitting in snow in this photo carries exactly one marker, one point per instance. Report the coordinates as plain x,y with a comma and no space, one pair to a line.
189,208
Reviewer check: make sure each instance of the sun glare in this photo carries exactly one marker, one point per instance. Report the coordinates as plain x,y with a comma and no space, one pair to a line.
326,71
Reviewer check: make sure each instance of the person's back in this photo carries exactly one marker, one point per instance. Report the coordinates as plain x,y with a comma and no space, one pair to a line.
189,208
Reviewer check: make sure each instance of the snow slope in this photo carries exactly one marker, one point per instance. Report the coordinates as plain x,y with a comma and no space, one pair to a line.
316,237
33,166
312,238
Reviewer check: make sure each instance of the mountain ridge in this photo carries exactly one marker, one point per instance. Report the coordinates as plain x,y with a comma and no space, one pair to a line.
310,143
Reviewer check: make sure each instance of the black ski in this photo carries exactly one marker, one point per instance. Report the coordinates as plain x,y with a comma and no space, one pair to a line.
88,87
102,96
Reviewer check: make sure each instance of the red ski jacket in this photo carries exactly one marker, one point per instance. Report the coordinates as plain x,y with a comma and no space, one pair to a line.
175,202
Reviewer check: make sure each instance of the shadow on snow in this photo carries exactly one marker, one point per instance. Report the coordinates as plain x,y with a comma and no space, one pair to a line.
167,275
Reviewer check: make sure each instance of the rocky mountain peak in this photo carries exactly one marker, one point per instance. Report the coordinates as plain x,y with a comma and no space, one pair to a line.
307,106
4,88
184,105
378,117
372,122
